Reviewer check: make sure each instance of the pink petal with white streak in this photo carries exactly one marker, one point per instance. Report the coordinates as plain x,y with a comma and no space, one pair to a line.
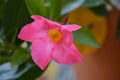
66,55
41,53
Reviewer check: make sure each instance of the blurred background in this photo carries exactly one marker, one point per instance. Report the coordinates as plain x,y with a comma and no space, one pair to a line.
100,20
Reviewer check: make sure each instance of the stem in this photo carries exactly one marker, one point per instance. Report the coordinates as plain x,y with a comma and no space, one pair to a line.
65,19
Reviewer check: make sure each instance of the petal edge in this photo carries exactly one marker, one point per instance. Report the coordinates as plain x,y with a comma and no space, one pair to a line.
28,33
72,27
40,52
65,55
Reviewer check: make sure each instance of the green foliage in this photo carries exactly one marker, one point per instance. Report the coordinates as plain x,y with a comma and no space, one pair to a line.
91,3
36,7
31,72
69,5
99,10
26,70
84,36
2,5
4,59
14,17
20,55
55,9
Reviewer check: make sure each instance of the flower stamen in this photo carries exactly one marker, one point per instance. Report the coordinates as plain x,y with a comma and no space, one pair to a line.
55,35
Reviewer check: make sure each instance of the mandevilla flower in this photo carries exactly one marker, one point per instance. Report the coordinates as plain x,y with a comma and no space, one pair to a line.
50,41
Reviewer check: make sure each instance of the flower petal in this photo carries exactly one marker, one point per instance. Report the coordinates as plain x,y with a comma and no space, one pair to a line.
48,23
28,33
34,30
41,53
53,24
40,22
66,55
72,27
37,17
67,37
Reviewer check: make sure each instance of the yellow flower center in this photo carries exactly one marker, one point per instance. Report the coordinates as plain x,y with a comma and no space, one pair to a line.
55,35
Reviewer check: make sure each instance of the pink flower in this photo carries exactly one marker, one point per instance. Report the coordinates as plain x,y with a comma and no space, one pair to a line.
50,41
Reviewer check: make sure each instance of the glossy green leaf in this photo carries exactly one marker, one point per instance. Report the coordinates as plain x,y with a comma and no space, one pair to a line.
90,3
36,7
55,8
20,55
84,36
15,16
99,10
69,5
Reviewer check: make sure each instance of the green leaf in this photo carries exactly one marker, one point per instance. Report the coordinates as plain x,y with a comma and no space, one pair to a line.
4,59
28,71
55,8
36,7
20,55
99,10
15,16
69,5
2,5
91,3
84,36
